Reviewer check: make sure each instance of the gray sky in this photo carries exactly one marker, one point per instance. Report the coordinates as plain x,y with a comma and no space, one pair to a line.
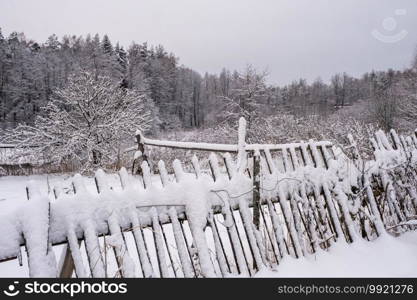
291,38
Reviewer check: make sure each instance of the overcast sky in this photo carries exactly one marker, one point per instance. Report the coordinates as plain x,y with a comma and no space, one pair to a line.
291,38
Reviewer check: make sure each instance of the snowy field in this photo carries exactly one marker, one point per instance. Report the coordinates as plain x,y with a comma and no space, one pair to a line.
385,257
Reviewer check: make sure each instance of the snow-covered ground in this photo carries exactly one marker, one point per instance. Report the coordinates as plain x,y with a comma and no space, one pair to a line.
385,257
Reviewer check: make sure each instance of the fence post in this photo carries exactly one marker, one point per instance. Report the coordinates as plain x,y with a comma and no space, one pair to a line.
141,147
256,188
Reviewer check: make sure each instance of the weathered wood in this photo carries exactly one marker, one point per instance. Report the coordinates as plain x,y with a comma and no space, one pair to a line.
196,166
140,140
213,147
230,168
37,252
220,254
274,245
256,192
168,250
180,240
313,213
67,265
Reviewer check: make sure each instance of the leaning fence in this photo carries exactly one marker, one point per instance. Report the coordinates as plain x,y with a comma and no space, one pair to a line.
253,206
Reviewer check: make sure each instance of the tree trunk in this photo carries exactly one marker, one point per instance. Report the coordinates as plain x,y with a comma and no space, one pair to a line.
96,157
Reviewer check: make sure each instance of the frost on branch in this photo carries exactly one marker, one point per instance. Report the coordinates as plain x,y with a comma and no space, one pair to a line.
84,123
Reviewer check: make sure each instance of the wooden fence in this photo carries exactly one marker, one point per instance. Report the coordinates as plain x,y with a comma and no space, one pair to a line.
255,205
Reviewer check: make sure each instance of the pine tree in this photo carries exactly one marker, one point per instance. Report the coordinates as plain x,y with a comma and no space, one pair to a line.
106,44
121,57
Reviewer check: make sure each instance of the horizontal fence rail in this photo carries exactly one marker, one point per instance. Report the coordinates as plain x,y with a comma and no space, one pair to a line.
219,147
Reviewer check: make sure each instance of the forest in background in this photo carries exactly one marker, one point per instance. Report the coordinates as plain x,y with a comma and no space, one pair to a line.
182,98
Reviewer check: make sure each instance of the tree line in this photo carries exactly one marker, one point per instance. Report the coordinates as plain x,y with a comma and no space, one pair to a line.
179,97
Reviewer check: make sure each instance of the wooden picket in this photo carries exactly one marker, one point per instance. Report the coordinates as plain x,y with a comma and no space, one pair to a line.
250,226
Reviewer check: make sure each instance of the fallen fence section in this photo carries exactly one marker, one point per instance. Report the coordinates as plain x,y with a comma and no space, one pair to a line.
255,205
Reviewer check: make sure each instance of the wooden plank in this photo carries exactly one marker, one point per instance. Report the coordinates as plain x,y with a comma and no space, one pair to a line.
159,243
256,189
186,264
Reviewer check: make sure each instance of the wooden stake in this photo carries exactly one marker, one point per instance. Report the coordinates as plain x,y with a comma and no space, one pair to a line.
256,189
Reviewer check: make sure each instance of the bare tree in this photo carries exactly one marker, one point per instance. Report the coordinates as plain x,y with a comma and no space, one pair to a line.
246,96
383,99
407,98
339,83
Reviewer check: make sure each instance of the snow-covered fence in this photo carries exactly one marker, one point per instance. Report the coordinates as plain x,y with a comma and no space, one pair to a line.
202,223
247,156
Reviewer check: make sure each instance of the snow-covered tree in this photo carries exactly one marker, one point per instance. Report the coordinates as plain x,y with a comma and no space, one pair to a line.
407,100
106,44
121,57
85,122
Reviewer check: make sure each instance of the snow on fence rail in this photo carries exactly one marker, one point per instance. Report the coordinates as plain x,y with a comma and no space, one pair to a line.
235,218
